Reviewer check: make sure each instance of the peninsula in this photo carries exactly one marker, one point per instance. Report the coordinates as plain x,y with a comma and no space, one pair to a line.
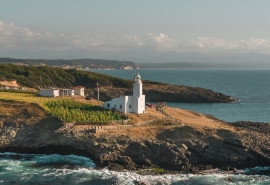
177,140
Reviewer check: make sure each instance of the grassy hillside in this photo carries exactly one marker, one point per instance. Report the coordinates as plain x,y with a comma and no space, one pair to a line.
45,76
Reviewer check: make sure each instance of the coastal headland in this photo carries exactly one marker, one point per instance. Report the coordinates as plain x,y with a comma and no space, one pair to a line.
169,140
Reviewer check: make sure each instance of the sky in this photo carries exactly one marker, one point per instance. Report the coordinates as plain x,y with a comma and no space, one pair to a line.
140,31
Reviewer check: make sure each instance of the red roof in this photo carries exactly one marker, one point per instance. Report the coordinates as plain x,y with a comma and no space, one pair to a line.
12,83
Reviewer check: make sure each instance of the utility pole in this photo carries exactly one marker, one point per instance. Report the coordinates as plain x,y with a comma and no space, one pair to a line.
98,91
40,82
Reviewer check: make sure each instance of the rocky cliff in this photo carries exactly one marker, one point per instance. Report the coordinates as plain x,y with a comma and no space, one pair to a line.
188,142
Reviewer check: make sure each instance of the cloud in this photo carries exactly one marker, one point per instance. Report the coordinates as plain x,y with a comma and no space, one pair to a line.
22,38
212,44
256,44
155,41
159,41
13,37
208,43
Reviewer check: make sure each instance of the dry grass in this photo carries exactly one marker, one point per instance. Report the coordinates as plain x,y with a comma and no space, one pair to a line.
5,111
198,120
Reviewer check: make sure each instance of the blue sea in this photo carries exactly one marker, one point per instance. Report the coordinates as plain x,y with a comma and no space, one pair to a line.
249,86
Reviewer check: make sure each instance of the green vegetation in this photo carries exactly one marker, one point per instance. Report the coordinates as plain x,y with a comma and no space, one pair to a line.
74,111
152,171
158,170
46,77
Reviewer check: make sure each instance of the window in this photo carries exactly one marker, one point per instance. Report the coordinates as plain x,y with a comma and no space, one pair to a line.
120,106
108,105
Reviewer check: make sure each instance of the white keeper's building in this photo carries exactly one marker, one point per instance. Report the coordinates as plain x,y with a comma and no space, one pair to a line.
49,92
126,104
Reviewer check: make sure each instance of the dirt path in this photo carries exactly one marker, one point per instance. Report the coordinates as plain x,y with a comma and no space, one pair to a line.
197,120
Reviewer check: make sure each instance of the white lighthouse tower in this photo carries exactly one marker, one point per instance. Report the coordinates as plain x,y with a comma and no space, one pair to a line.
138,97
126,104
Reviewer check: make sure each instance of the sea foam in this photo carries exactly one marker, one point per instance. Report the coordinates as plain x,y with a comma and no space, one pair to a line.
77,170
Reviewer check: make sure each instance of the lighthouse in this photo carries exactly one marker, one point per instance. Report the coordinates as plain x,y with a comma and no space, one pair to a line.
134,103
138,97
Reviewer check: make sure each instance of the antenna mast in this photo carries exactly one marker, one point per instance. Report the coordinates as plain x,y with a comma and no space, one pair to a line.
40,82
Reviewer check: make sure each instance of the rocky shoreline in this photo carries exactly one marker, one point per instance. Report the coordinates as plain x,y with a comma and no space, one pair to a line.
172,146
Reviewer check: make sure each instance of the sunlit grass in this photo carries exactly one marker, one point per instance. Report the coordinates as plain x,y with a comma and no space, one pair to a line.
64,108
24,97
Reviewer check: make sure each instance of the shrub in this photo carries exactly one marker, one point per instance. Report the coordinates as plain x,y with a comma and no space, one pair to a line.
71,110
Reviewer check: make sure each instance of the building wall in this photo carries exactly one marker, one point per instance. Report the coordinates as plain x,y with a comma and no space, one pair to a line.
122,104
139,104
129,104
79,91
67,92
49,92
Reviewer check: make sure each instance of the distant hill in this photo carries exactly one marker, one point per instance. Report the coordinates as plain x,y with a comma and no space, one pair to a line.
74,63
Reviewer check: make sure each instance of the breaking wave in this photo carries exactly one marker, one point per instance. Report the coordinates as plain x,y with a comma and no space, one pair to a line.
78,170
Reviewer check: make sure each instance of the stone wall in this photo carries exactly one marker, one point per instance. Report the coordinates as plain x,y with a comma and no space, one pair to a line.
96,128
